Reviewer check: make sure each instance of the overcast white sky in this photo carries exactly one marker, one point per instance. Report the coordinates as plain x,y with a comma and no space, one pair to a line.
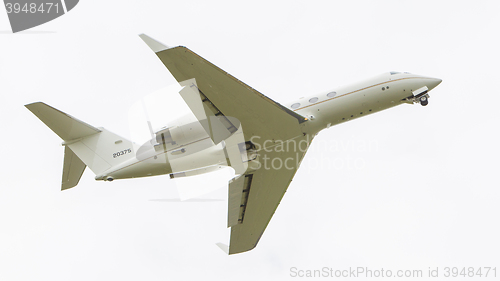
408,188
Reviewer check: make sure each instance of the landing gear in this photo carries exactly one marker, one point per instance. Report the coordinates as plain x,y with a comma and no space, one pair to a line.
424,101
418,96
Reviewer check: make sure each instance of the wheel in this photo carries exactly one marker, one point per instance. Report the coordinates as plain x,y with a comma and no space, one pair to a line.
424,101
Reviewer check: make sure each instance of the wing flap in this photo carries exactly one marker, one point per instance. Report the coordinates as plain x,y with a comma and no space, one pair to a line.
237,199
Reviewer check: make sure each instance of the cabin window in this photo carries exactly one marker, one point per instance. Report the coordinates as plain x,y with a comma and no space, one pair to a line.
295,105
331,94
313,100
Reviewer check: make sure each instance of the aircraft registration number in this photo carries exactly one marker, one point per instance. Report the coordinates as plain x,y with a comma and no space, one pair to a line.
123,152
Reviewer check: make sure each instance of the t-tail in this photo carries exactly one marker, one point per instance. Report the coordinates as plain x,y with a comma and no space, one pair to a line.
85,145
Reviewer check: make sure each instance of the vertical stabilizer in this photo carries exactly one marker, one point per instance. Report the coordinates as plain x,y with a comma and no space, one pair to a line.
72,169
103,150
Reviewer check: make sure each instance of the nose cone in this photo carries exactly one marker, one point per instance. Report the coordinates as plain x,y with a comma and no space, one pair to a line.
433,82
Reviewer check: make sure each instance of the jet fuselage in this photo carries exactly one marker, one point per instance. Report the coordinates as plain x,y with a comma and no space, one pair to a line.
196,151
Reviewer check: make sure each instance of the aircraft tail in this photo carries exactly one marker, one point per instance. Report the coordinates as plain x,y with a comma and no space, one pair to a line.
85,145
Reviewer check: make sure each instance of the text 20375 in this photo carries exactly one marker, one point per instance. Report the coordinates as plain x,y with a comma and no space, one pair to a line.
123,152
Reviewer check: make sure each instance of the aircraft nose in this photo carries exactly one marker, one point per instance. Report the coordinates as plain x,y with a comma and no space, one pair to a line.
433,82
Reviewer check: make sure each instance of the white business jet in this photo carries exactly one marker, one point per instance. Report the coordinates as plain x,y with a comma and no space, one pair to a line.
262,140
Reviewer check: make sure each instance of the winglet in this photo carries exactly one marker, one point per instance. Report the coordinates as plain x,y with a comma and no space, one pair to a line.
153,44
223,247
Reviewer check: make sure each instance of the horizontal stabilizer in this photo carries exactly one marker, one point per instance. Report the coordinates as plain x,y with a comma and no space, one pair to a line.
64,125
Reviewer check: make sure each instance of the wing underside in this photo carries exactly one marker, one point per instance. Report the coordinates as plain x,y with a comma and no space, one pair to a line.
261,193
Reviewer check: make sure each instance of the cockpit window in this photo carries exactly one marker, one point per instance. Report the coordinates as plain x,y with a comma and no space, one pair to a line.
395,72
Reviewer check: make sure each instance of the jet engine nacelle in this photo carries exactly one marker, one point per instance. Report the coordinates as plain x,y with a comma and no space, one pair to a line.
181,133
170,135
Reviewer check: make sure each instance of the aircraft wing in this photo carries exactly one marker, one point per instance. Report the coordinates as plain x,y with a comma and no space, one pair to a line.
255,195
224,95
277,133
